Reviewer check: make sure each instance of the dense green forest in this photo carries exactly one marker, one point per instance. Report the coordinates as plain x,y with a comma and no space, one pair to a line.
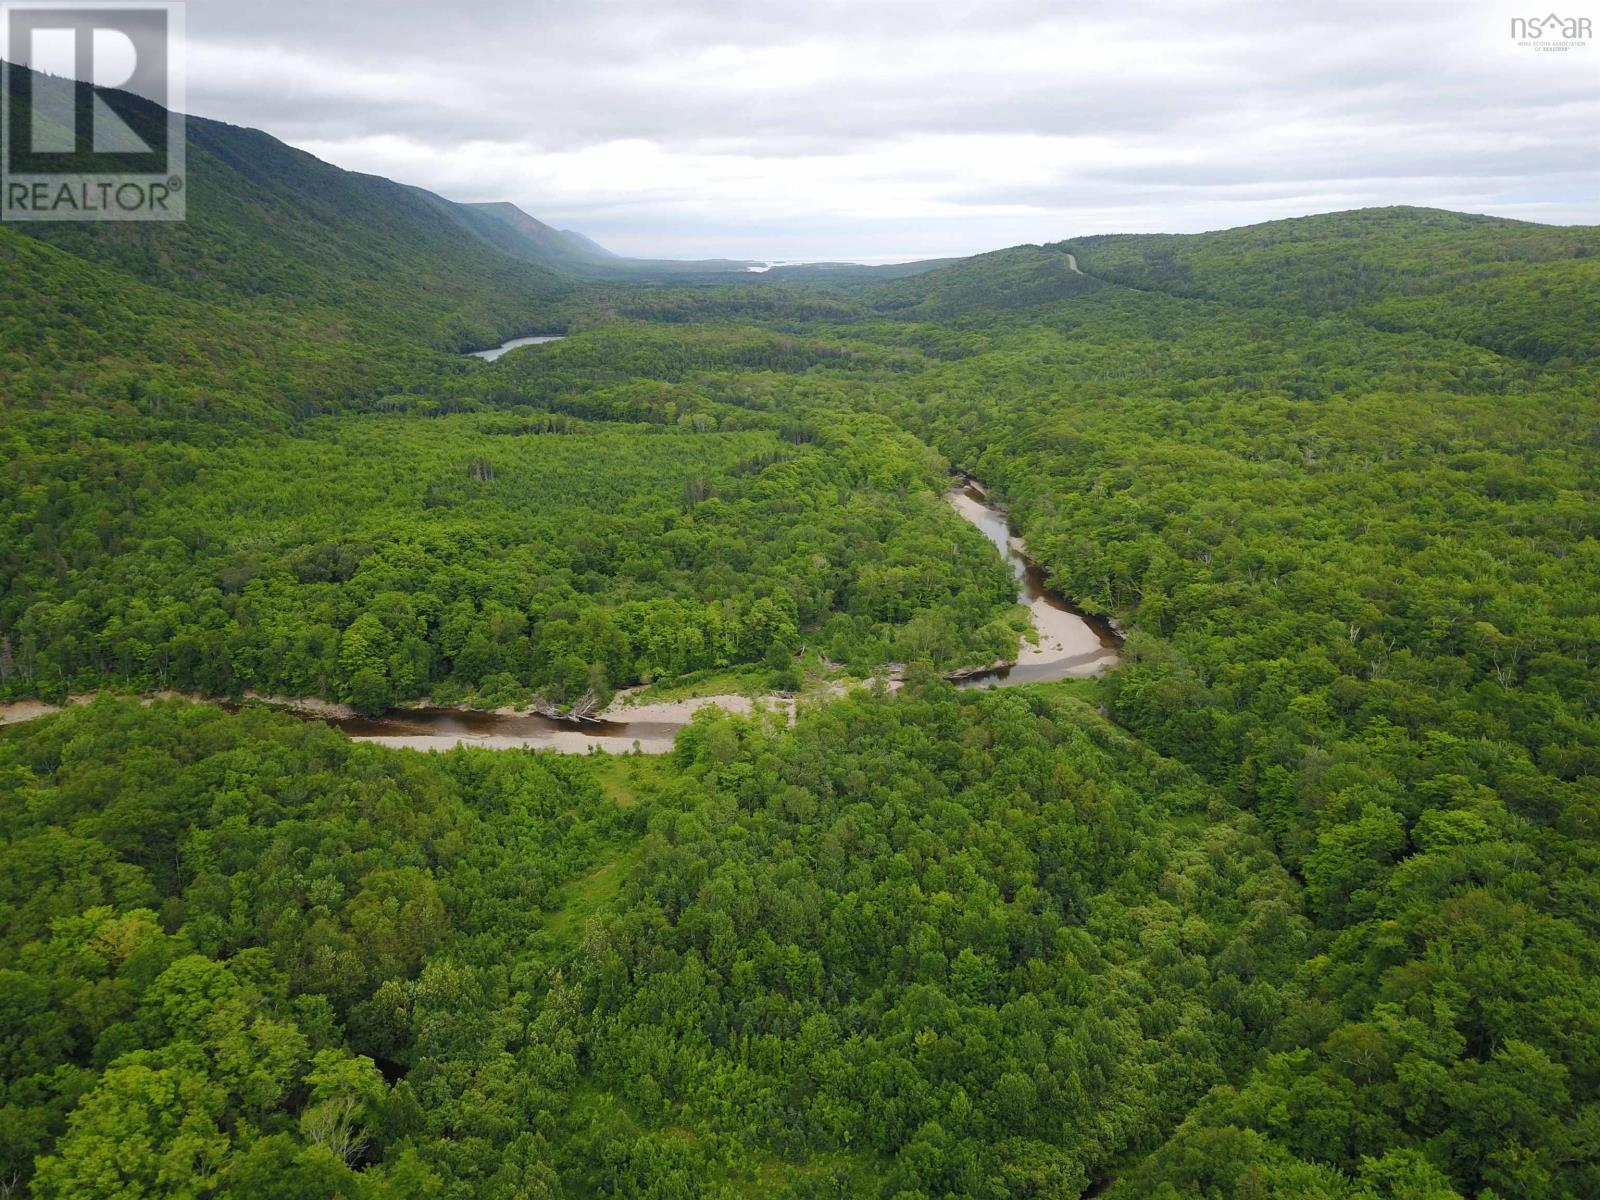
953,944
1300,901
393,556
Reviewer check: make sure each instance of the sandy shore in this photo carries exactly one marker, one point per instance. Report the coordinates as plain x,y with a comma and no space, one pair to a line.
562,741
682,711
1064,637
19,711
310,706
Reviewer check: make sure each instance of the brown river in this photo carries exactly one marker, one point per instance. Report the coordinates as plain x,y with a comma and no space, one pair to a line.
1070,645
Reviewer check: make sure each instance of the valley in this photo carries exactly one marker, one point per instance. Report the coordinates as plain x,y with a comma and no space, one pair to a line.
1230,827
1060,643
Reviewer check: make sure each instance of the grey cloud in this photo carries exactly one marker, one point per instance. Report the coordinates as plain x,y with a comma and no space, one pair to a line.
1170,104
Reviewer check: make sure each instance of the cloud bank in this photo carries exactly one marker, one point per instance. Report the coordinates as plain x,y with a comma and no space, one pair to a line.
883,129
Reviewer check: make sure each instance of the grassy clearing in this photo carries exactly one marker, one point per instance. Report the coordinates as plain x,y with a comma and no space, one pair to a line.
587,895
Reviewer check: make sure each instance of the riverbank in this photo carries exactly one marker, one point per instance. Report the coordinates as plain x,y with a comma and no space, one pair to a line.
1066,644
18,711
645,728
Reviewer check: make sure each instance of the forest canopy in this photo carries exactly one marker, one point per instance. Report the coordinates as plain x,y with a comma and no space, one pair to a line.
1300,901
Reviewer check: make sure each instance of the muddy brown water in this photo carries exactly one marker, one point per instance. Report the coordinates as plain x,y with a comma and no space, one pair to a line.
1071,645
430,728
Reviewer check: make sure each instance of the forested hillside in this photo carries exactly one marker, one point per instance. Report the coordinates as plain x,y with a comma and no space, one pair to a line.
403,556
276,233
1300,901
1528,291
1363,574
959,945
508,228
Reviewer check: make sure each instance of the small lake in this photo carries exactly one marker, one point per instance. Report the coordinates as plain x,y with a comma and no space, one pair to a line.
513,344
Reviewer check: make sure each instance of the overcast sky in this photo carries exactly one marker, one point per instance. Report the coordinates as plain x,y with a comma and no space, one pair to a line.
883,129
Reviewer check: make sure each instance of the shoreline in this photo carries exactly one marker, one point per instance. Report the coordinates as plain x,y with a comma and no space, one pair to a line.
1067,643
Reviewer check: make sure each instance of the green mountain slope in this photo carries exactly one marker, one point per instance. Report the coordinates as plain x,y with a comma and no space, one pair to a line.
561,245
73,334
585,244
1305,908
272,229
1021,277
1532,291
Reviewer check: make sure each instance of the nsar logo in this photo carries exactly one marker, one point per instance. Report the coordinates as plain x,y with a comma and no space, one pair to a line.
1552,32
